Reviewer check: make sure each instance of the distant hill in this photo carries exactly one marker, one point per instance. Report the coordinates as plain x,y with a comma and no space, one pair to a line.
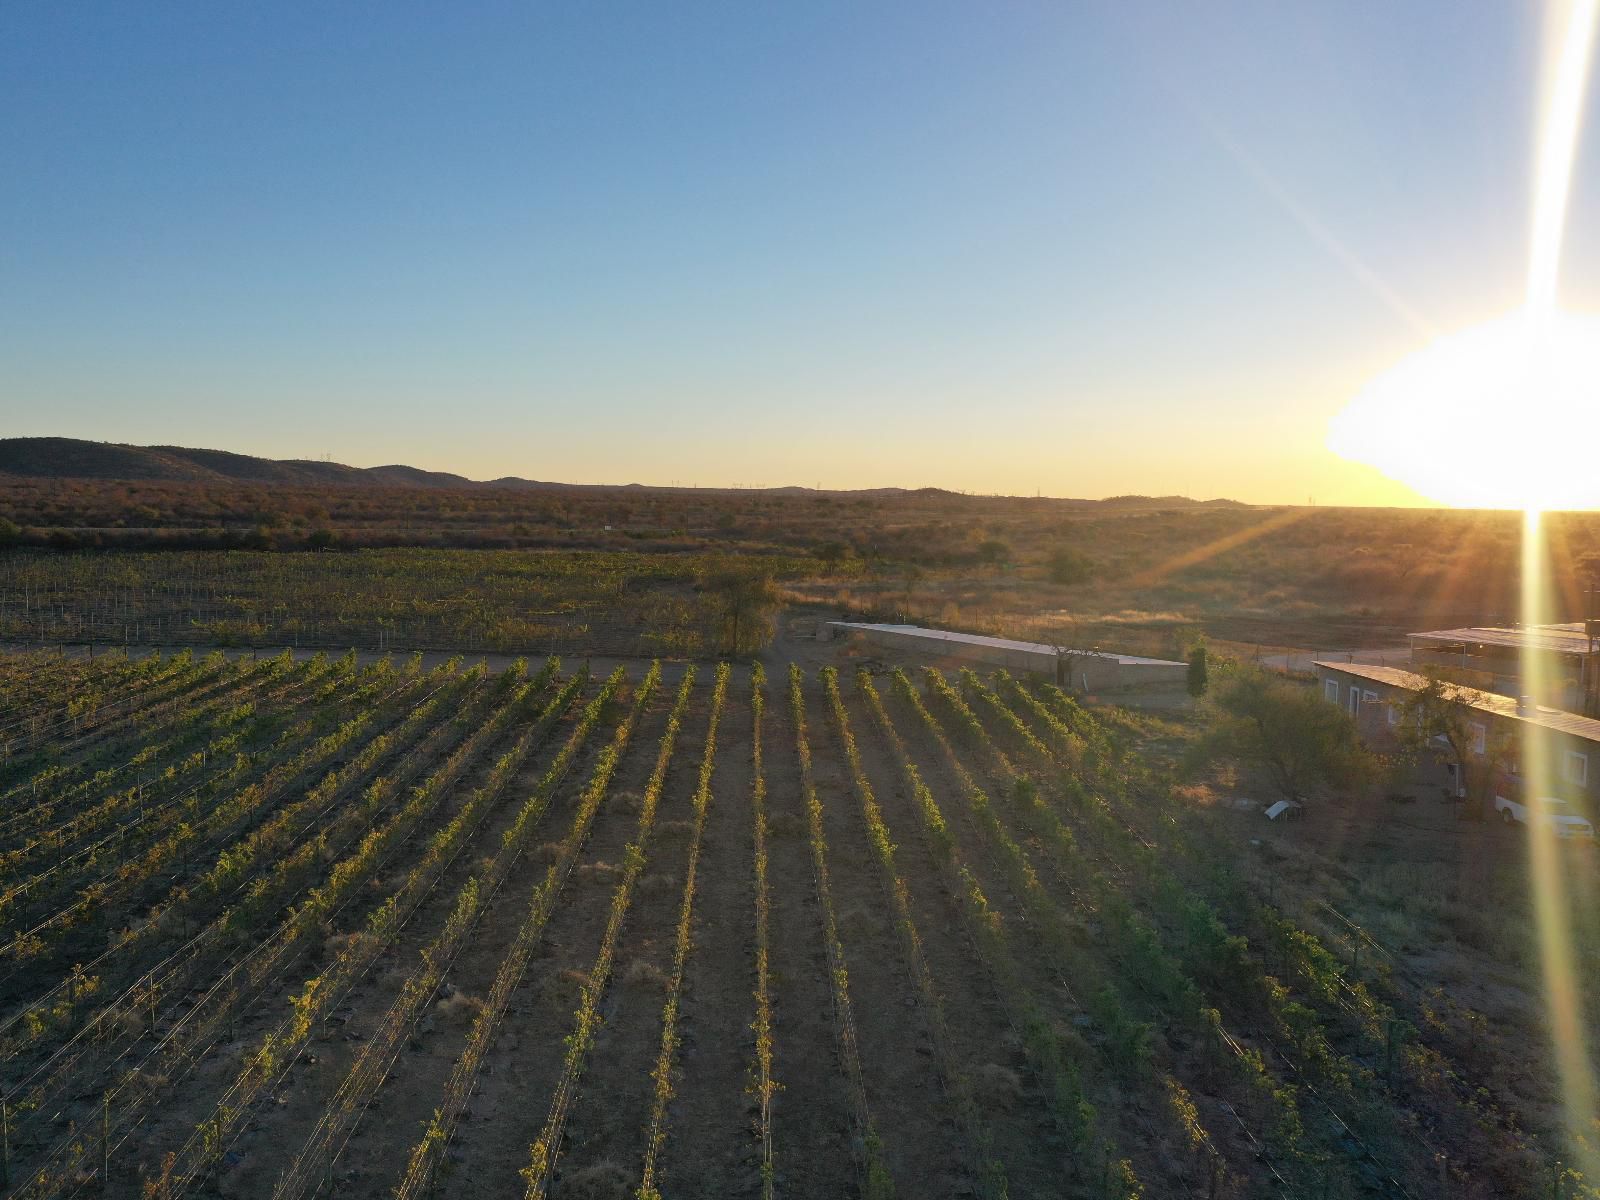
74,458
1168,502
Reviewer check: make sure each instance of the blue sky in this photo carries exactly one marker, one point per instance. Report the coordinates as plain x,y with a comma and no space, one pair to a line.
1083,248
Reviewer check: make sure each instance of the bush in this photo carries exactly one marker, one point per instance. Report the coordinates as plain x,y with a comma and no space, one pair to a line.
1288,732
1067,566
993,552
1199,675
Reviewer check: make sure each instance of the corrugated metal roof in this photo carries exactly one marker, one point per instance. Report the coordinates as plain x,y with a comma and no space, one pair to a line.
1583,727
1565,639
997,643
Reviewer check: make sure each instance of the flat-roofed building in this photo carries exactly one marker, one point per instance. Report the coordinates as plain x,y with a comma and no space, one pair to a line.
1498,727
1494,658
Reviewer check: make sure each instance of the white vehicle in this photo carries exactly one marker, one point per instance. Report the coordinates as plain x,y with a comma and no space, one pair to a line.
1555,814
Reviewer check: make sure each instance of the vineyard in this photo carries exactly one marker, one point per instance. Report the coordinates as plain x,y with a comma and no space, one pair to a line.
282,929
575,603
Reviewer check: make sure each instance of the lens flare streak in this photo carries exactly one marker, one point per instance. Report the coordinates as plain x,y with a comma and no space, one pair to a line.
1496,416
1546,871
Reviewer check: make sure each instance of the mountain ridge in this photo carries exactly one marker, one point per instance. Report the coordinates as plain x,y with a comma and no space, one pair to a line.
77,458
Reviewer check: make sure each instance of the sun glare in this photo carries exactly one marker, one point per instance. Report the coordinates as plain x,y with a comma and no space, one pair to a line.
1488,417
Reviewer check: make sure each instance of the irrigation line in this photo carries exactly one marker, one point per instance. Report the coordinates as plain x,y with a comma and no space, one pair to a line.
424,1159
175,724
121,947
158,979
271,795
200,1045
343,1114
206,719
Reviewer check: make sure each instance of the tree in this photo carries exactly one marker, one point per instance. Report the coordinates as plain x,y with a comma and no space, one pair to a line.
993,552
913,576
1288,732
1067,566
1199,672
745,597
831,554
1443,710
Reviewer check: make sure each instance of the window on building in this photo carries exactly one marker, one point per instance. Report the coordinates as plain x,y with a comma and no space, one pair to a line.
1576,768
1480,737
1330,689
1394,714
1369,697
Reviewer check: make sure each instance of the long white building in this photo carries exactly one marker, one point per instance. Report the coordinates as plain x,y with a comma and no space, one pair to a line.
1079,670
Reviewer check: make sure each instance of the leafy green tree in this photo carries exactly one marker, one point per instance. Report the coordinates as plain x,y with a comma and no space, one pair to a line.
1286,731
831,554
1442,711
745,599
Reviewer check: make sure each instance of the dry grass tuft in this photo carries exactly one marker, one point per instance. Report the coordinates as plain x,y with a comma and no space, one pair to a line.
641,973
857,923
996,1086
559,989
335,944
599,1181
597,872
1199,795
458,1006
658,885
786,825
150,1083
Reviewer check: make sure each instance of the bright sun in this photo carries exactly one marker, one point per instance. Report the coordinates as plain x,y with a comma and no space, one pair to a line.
1496,416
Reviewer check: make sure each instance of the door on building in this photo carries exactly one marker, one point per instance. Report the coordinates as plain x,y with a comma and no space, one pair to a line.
1355,701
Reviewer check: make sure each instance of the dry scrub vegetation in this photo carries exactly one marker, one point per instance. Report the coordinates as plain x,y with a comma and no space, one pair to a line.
653,567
